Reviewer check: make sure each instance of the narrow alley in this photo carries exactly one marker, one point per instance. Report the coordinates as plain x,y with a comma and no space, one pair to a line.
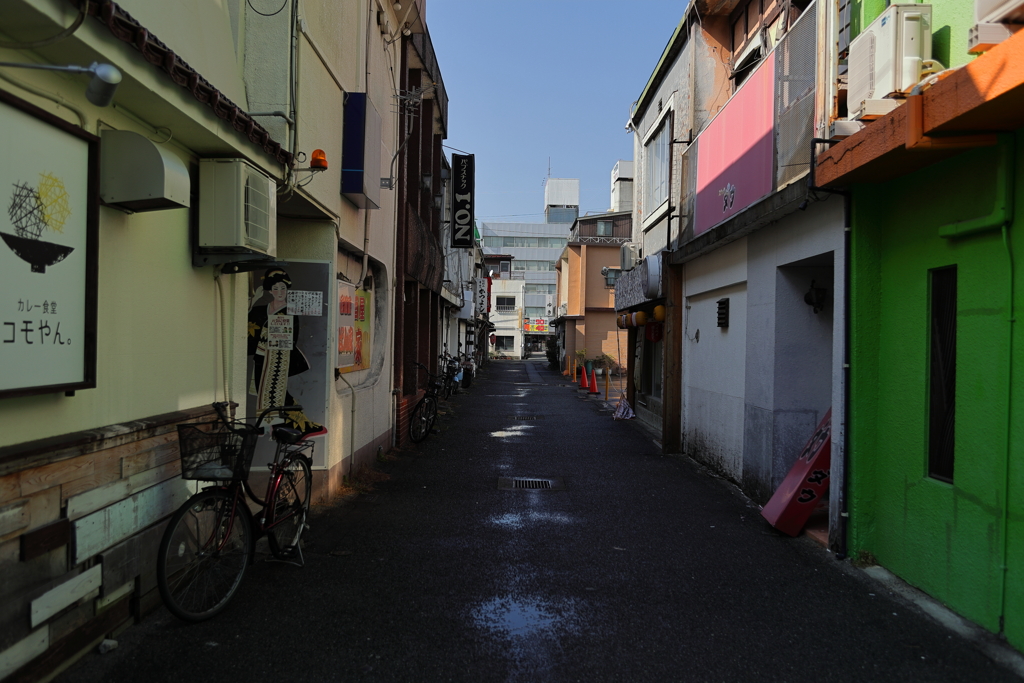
634,566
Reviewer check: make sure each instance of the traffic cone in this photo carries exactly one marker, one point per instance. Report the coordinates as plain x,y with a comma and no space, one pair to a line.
593,382
583,378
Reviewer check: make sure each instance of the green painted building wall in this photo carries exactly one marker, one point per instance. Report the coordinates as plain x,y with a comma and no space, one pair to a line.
950,540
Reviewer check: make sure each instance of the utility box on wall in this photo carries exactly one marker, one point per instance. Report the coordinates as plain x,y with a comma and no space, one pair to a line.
360,157
237,207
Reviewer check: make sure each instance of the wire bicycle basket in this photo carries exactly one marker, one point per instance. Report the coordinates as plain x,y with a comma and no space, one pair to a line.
213,451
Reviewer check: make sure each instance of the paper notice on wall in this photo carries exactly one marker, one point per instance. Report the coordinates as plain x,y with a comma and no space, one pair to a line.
305,303
279,332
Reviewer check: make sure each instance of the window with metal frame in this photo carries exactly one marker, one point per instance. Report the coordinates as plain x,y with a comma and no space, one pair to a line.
942,373
533,265
657,166
505,304
534,288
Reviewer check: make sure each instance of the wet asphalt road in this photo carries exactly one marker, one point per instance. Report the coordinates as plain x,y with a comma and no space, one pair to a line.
643,569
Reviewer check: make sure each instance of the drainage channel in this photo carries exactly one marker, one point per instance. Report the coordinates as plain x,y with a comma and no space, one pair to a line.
531,484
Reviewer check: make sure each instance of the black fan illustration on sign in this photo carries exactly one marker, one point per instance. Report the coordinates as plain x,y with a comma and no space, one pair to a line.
33,210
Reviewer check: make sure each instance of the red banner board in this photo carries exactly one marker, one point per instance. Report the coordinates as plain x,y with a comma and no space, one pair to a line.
805,485
735,152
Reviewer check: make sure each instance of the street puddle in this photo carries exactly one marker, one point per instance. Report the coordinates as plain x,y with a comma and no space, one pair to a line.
523,620
517,520
509,432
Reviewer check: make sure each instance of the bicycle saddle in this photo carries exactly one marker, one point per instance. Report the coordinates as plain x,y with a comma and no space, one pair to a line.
285,434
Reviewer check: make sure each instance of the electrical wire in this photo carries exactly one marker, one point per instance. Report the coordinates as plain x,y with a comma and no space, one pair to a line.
14,45
264,14
45,94
513,215
170,134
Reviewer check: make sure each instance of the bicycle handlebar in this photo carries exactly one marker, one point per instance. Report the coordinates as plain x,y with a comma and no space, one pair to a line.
220,408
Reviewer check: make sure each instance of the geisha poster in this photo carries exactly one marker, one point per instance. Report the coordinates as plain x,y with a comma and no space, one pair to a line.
287,337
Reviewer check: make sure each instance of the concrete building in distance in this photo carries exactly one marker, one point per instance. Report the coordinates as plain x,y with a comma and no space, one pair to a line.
533,250
622,186
587,271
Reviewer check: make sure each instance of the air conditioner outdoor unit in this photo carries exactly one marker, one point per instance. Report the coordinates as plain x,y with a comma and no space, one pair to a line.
237,207
995,21
887,58
629,255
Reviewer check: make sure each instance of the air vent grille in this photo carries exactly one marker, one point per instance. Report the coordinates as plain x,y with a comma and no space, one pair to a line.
257,211
723,312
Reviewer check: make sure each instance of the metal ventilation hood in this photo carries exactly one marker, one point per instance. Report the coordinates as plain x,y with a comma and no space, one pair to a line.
136,174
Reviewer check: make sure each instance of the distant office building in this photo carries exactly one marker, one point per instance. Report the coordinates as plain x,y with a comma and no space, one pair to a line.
622,187
531,251
561,200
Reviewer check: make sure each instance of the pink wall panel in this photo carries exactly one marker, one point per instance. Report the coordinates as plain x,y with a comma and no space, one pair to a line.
734,153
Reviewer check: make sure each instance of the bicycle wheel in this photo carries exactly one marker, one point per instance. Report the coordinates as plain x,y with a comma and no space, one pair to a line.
290,506
203,555
422,418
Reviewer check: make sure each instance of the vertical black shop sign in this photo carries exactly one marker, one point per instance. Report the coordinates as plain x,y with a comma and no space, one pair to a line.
463,208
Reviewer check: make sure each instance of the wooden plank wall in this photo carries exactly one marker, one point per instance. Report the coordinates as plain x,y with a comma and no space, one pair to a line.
79,531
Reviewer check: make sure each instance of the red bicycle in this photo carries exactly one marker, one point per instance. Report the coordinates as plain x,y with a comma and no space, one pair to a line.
210,539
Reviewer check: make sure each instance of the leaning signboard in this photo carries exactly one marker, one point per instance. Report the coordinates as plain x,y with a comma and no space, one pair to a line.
806,485
48,252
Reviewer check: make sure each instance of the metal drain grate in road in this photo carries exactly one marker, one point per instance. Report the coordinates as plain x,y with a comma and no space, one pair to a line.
525,417
530,484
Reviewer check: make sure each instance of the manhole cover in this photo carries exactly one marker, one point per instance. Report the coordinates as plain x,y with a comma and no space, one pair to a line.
530,484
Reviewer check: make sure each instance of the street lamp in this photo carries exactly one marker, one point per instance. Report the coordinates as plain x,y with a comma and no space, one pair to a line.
101,88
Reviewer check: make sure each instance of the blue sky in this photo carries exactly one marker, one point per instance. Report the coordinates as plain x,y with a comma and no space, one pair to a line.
530,80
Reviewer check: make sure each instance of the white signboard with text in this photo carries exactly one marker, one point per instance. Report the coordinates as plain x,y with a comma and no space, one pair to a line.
47,253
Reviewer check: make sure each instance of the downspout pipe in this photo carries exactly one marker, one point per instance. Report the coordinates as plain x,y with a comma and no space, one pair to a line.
1009,424
1001,215
351,427
293,78
840,546
366,212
